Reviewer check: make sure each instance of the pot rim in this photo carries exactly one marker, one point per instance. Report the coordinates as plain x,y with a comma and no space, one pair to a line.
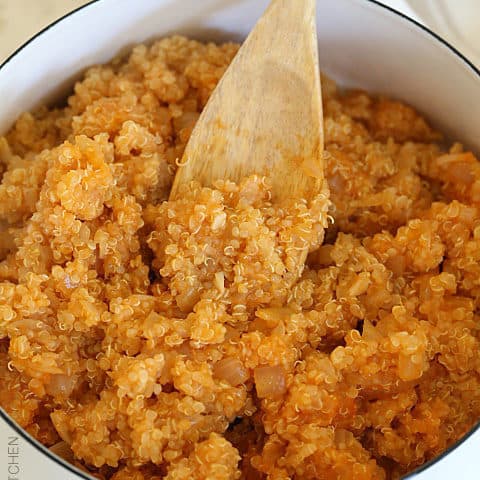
404,18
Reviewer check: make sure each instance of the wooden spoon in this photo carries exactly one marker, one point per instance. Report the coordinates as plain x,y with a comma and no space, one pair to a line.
265,116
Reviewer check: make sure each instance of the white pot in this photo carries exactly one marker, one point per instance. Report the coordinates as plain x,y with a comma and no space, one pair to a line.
362,44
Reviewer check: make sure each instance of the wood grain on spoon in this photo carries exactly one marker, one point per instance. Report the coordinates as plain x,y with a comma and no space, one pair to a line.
265,116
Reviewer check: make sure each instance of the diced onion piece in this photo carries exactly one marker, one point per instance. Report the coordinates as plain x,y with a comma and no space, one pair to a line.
370,333
61,385
187,300
231,370
220,281
63,450
270,382
408,370
360,284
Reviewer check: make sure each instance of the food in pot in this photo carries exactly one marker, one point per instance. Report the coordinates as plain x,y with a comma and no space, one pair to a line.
142,338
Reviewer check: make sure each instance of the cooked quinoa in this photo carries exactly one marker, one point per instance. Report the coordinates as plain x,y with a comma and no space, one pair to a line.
143,338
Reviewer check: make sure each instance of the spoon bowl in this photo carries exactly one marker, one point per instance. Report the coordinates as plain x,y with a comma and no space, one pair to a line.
265,116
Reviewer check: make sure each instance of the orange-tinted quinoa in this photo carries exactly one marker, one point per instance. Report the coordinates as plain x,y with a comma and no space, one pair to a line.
147,339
